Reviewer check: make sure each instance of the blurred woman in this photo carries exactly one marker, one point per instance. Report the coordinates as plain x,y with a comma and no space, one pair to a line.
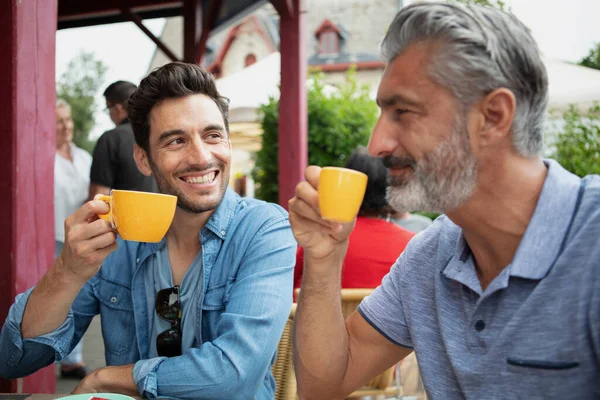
375,243
71,186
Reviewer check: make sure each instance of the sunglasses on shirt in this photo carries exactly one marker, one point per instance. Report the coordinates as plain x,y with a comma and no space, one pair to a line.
168,307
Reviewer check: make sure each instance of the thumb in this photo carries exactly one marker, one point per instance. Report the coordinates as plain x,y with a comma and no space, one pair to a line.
311,174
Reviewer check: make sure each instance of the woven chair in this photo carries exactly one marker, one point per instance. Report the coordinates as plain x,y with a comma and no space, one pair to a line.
283,368
381,384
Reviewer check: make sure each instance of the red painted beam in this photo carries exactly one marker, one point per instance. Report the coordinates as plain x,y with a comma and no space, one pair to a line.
285,8
207,26
73,8
192,28
159,43
293,113
27,148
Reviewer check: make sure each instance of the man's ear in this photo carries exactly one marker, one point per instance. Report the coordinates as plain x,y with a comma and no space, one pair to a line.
120,108
498,111
141,159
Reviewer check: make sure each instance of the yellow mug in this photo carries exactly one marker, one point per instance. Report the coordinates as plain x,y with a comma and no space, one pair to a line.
140,216
341,193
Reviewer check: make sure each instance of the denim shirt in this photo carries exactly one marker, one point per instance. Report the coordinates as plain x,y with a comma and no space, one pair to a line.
248,254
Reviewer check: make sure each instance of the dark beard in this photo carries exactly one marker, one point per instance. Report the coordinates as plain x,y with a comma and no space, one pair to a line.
182,201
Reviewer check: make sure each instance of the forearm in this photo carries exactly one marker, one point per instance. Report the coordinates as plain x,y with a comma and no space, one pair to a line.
320,336
50,301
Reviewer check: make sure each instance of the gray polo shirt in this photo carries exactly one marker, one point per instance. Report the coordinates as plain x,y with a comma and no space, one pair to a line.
534,333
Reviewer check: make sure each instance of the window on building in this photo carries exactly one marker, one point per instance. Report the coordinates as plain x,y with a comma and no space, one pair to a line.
249,60
328,42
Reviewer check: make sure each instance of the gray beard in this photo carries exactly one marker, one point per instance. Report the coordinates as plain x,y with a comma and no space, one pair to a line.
442,181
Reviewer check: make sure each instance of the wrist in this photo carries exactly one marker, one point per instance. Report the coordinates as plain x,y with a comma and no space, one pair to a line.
331,259
61,272
326,269
116,379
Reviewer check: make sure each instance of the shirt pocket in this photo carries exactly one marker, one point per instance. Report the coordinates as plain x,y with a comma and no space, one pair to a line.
116,311
541,364
217,296
547,371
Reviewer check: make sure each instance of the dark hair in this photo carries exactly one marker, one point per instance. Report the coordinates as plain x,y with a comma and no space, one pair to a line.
374,200
119,92
173,80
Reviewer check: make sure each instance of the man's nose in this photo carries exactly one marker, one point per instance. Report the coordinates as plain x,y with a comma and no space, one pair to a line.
382,141
200,152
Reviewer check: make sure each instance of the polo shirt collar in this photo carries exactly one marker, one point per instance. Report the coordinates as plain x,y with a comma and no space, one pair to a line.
541,242
546,231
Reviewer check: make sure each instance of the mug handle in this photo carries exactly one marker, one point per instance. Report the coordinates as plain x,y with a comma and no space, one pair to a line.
107,199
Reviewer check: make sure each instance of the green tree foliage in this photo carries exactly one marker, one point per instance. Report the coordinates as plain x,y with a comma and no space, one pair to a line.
338,122
592,60
577,147
78,86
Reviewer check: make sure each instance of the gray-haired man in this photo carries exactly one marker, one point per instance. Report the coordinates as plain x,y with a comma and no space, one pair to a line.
500,298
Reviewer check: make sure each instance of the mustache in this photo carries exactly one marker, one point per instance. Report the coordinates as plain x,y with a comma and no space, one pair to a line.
197,168
398,162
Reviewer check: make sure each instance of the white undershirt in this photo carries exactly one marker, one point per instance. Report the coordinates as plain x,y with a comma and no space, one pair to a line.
71,186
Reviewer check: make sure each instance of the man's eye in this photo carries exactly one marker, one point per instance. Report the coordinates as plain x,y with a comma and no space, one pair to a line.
175,142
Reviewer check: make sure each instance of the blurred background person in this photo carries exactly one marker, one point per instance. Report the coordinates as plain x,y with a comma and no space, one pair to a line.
113,166
375,243
411,222
71,187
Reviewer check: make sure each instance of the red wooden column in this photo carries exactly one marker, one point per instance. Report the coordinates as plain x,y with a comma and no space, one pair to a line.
27,148
293,108
192,28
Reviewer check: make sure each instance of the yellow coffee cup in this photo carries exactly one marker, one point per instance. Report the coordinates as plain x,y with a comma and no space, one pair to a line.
341,193
140,216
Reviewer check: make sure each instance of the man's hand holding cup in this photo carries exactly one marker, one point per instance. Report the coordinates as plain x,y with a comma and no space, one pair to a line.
88,241
323,211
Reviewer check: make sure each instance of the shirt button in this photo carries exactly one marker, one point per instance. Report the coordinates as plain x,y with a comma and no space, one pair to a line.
223,233
137,261
113,299
479,325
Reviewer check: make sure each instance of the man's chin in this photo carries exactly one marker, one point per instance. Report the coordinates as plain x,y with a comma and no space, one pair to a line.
406,198
197,206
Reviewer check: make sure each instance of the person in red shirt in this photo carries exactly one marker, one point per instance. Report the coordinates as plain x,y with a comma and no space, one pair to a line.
375,243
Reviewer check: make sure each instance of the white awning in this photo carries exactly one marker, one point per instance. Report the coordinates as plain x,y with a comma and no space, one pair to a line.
252,86
571,84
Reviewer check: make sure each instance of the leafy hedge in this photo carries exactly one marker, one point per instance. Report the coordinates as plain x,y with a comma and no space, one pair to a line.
577,147
338,122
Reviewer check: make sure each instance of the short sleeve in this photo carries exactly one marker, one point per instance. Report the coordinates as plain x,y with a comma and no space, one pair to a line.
383,309
102,170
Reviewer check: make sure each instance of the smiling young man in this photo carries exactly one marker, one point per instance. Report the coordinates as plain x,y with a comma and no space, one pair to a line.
500,297
198,315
